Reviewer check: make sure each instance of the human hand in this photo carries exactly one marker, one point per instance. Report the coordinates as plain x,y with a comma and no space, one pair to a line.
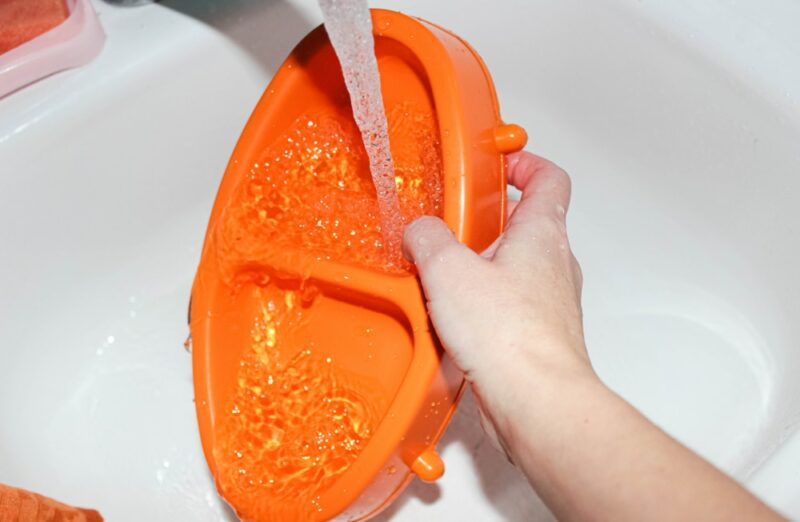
513,312
511,319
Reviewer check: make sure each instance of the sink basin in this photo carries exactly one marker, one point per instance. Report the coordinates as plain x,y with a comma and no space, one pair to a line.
678,124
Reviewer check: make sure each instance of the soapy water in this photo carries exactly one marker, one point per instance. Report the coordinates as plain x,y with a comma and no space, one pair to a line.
349,27
297,420
339,189
312,190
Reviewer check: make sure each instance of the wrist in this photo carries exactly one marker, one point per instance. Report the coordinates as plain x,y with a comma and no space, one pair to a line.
524,384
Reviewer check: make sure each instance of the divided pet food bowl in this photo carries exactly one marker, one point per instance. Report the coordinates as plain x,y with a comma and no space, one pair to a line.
369,321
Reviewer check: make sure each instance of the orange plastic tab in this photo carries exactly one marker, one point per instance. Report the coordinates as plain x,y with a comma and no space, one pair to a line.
510,138
428,466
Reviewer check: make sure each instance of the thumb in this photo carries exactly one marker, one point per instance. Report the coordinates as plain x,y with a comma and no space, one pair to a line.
440,259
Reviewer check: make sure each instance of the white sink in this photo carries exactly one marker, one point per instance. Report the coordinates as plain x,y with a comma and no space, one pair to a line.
680,126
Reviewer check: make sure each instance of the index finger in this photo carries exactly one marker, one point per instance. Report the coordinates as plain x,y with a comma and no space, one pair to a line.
538,222
545,186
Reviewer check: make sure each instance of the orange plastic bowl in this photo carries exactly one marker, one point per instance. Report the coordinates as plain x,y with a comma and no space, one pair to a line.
436,70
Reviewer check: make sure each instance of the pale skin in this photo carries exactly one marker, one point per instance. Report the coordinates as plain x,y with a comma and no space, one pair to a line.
511,319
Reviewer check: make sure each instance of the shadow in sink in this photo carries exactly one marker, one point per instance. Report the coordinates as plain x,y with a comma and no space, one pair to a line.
502,485
266,29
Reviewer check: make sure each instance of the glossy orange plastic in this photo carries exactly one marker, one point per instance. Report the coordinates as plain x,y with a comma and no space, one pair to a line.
436,70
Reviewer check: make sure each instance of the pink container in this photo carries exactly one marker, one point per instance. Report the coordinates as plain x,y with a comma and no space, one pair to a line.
70,44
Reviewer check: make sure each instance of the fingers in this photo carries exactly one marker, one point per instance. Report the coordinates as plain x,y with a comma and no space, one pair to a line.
541,211
440,259
536,225
545,186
